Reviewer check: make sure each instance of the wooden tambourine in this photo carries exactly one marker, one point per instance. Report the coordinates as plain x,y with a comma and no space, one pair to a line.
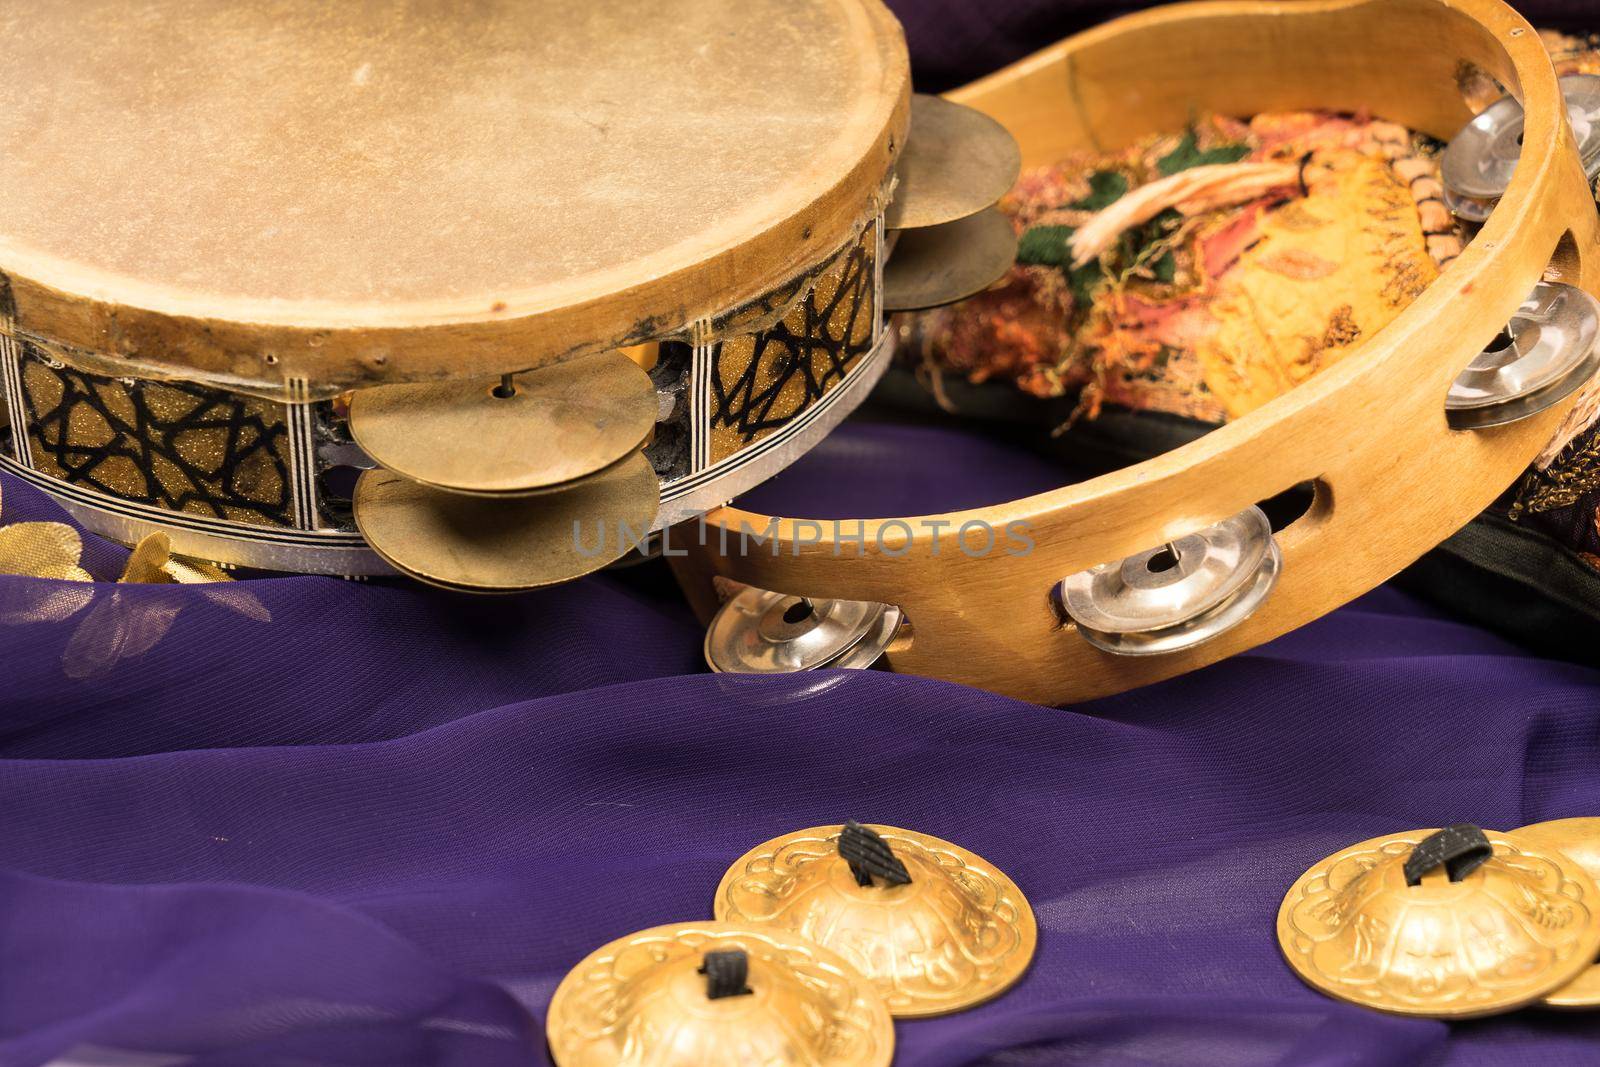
1168,565
294,282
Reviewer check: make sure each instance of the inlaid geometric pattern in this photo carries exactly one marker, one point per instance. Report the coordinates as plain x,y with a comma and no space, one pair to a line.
175,445
760,381
724,385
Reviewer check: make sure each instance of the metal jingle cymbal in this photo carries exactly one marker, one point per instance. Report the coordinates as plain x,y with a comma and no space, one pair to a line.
1480,160
1550,348
956,162
935,927
1404,924
527,432
762,632
1176,595
546,490
1579,841
890,632
942,264
1467,208
475,545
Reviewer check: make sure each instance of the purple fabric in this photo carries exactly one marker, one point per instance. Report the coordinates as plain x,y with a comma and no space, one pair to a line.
380,827
877,471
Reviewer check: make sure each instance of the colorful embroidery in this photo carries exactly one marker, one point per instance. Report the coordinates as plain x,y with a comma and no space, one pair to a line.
1149,279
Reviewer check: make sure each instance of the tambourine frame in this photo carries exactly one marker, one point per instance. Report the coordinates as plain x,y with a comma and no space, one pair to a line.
1391,478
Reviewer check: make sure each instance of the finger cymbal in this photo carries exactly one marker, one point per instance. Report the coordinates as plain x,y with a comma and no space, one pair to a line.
1579,840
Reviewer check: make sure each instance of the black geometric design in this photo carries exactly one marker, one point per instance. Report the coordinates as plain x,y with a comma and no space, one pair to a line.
175,445
762,381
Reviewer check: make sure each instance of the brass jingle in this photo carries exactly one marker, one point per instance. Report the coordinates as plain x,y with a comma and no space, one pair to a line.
1579,841
1522,925
1178,595
1581,93
472,544
559,424
641,999
1554,350
942,264
959,934
543,490
1480,160
1467,208
956,162
762,632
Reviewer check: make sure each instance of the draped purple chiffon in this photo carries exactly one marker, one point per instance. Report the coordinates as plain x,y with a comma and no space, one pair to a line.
368,823
303,821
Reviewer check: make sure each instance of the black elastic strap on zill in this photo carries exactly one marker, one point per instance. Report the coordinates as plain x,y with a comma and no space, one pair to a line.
870,856
727,972
1461,849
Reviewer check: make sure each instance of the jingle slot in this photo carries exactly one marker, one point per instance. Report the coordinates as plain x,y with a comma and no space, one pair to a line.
1290,506
1566,265
336,486
1178,594
1478,87
1549,349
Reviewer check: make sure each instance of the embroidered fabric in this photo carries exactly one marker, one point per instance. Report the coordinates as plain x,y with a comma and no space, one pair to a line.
1281,242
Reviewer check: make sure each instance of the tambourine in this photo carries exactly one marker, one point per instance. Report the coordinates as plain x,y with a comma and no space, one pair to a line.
484,296
1168,565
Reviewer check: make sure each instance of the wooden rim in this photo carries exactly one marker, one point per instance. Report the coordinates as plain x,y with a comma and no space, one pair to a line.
1392,479
268,342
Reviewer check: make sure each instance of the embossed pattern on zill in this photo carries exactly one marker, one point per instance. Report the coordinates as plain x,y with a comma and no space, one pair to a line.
177,445
760,381
640,1001
1521,925
959,934
1579,840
